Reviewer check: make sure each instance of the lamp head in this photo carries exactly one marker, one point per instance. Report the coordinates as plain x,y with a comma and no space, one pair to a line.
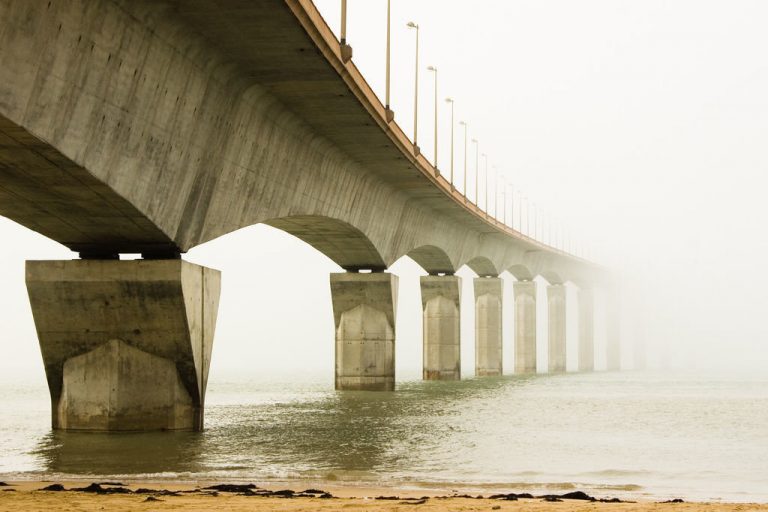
432,68
449,100
412,25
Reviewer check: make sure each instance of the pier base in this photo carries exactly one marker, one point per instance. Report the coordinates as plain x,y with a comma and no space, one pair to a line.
525,327
364,308
488,344
126,344
586,331
441,303
556,322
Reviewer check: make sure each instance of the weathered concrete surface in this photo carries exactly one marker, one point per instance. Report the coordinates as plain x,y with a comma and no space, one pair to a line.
126,344
586,331
556,320
364,307
525,327
613,342
154,126
441,303
488,340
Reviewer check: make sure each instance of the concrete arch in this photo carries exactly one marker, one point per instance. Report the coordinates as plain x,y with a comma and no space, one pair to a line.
483,266
521,272
346,245
432,259
552,277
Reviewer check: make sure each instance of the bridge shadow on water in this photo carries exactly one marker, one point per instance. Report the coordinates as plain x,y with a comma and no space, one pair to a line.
317,434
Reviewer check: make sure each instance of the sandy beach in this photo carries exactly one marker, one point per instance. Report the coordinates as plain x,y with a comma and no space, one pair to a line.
28,496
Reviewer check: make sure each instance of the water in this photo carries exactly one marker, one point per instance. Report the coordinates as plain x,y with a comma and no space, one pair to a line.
697,436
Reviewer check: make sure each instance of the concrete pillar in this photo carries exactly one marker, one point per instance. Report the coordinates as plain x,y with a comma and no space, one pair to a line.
126,344
586,331
525,327
441,303
556,321
613,342
488,296
364,308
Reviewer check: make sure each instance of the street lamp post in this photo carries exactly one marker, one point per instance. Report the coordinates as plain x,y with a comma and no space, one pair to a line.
464,124
387,110
485,159
434,70
503,200
416,92
447,100
346,50
527,217
512,206
477,167
496,193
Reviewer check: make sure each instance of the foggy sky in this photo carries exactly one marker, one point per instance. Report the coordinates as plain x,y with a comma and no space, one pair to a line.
639,124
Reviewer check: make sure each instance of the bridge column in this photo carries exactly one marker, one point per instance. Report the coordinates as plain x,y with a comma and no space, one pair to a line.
126,344
441,302
525,327
556,322
613,343
488,296
586,331
364,308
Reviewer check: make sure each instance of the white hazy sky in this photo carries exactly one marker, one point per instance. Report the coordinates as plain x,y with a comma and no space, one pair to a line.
639,124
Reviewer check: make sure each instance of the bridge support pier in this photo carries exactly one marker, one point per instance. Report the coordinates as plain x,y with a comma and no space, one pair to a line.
613,346
488,345
525,327
364,308
126,344
441,303
556,314
586,331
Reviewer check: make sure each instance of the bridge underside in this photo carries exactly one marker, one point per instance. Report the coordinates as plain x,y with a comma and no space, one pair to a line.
45,191
138,126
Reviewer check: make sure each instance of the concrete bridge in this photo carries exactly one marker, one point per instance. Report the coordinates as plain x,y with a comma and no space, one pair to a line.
132,126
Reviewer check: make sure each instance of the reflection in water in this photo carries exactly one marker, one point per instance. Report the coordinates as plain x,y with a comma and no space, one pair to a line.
113,454
347,434
669,435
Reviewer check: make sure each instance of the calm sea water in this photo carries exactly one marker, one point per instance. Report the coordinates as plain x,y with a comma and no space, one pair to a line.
697,436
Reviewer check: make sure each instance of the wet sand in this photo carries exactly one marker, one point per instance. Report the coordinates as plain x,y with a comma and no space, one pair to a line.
27,496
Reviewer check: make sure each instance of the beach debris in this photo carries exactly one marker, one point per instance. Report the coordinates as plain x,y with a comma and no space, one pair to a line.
578,495
3,484
413,501
54,487
675,500
509,497
390,498
152,498
496,507
117,484
160,492
313,491
231,487
98,489
285,493
9,490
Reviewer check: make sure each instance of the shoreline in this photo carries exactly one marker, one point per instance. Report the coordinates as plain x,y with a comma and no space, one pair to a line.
155,494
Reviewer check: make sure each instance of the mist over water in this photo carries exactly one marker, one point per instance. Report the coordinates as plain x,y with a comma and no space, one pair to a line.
639,125
633,434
